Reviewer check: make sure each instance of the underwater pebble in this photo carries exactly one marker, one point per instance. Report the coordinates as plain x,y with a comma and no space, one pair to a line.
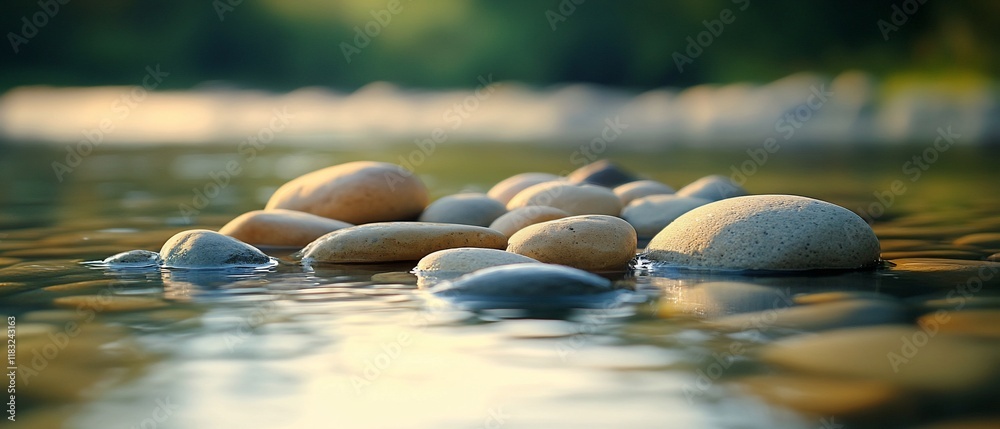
280,227
133,259
355,192
527,279
589,242
818,317
767,232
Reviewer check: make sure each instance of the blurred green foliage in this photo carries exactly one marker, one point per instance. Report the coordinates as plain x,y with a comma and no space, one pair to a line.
285,44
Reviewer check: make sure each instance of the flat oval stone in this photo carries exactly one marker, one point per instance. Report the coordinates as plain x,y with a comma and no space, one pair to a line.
469,259
201,248
589,242
466,209
527,280
279,227
398,241
649,215
133,259
515,220
641,188
571,198
818,317
601,173
355,192
767,232
712,188
507,188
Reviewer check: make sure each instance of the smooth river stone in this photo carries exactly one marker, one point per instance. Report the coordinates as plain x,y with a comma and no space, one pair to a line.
571,198
601,173
201,248
279,227
712,188
821,396
515,220
767,232
649,215
818,317
641,188
538,280
507,188
466,209
589,242
355,192
133,259
899,354
469,259
717,299
398,241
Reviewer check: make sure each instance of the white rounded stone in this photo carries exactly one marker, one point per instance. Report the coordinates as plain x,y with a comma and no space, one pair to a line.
649,215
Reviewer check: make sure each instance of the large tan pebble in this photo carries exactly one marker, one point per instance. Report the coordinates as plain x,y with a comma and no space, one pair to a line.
767,232
641,188
517,219
466,209
712,188
469,259
355,192
201,248
507,188
649,215
398,241
571,198
590,242
279,227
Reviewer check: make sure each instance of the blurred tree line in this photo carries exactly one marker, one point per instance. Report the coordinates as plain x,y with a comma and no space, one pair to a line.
285,44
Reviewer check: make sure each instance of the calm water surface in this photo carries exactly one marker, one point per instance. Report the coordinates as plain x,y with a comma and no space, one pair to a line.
360,346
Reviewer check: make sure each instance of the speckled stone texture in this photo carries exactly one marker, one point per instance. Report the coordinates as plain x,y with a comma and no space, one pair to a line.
767,232
201,248
571,198
398,241
592,242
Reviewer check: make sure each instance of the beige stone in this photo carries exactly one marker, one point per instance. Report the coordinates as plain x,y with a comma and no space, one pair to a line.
507,188
589,242
515,220
641,188
355,192
279,227
712,188
398,241
469,259
571,198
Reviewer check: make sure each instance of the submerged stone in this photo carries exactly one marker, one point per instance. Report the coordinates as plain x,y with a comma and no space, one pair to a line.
201,248
134,259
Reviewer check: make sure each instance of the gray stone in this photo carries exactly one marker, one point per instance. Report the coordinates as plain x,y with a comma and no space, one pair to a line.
539,280
767,232
649,215
712,188
133,259
466,209
201,248
601,173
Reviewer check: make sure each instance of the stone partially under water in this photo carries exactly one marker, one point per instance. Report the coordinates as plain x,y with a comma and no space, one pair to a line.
201,248
133,259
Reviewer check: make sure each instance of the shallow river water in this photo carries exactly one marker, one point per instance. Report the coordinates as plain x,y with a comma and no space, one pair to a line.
361,346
